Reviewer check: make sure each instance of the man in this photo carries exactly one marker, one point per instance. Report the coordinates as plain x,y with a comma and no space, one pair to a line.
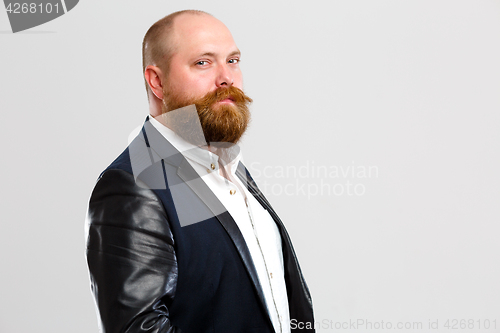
180,239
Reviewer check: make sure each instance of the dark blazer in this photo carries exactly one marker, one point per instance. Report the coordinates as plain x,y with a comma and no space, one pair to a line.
165,256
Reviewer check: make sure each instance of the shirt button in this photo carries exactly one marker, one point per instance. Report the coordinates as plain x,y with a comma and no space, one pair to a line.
271,275
232,192
212,166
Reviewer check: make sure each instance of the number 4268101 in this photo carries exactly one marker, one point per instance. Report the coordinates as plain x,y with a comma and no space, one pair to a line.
455,324
32,8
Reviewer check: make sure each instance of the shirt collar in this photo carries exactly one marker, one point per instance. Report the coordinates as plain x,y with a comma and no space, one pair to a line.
229,155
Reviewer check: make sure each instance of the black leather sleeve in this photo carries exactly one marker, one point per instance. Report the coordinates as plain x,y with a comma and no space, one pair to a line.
131,258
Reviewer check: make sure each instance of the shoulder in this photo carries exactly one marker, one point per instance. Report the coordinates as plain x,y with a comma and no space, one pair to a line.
122,162
120,201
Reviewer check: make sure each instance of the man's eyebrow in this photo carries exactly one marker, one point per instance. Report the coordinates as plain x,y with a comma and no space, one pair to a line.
207,54
235,53
212,54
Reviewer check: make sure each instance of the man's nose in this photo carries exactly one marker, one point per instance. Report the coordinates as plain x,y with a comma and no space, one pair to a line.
224,76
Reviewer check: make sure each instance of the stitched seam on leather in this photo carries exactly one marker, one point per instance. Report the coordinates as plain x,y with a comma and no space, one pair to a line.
133,259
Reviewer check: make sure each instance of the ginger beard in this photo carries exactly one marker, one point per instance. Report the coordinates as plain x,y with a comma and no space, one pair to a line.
220,122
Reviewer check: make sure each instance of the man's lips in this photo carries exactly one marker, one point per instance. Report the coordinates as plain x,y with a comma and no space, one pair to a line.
227,100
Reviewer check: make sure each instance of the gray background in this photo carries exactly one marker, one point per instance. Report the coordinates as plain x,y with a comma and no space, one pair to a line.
410,88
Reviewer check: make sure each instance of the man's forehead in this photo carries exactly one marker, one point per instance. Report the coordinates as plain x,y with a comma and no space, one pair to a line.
202,33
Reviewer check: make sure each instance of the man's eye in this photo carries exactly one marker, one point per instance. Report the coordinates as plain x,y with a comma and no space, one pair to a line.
234,61
202,62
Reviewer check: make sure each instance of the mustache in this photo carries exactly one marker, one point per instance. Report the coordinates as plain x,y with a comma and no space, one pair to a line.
220,94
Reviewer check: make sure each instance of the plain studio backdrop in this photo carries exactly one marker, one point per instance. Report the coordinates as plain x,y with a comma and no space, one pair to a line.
375,136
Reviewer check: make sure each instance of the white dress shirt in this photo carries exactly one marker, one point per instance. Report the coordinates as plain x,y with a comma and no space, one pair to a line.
256,225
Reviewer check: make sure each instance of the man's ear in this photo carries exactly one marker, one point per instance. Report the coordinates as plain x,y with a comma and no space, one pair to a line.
154,78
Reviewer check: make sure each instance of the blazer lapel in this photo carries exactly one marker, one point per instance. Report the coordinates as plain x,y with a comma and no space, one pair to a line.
299,298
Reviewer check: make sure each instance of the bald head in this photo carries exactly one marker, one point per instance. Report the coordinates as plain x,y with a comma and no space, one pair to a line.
164,37
190,58
188,54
